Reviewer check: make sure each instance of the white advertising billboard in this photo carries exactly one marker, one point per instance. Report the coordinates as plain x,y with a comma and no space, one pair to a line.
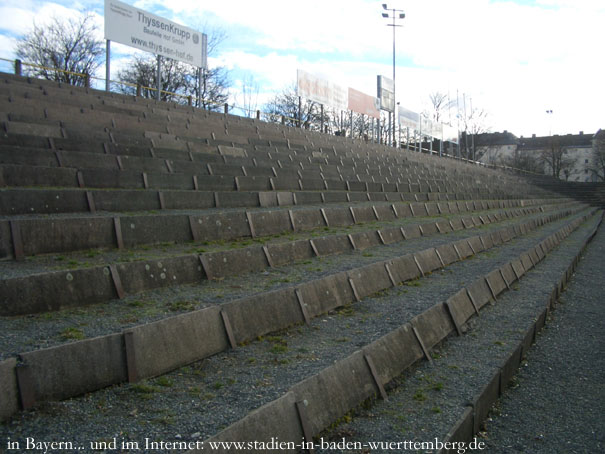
321,91
134,27
364,104
407,118
386,93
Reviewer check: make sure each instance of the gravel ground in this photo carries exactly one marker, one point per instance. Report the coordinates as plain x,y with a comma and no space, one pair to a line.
26,333
197,401
426,401
558,404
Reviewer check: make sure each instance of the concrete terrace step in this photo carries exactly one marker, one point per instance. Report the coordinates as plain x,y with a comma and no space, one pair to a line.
55,201
78,286
109,155
254,254
240,365
37,234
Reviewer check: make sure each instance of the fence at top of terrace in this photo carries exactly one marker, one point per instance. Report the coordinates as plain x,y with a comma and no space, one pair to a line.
415,146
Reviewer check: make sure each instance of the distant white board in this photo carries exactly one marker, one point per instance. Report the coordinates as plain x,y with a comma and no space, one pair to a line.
321,91
134,27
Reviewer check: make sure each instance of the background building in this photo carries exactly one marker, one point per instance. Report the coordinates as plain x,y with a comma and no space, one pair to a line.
571,157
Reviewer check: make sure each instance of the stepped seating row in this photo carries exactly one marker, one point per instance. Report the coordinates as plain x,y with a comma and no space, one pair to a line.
281,178
27,237
219,118
94,284
84,141
39,175
146,201
176,341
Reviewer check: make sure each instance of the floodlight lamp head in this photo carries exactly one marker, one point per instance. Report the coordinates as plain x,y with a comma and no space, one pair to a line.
402,15
385,14
384,6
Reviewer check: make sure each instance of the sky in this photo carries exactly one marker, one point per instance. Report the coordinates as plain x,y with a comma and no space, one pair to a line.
515,59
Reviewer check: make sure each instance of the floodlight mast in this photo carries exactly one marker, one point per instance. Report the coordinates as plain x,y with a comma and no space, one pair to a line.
395,14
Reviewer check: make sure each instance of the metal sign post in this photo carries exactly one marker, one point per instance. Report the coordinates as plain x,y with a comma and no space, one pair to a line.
159,77
107,65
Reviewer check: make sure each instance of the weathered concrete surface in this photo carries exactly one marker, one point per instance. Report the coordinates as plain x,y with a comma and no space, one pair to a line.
50,235
290,252
484,400
267,223
480,292
176,341
18,175
9,404
433,325
233,262
307,198
411,231
329,245
249,319
404,268
385,213
364,240
304,220
464,249
461,307
509,367
363,214
56,290
476,244
277,419
526,261
76,368
463,430
508,273
518,268
140,276
391,235
181,200
429,228
428,260
339,217
394,352
447,254
45,201
221,226
137,230
496,282
325,294
236,199
126,200
335,390
370,279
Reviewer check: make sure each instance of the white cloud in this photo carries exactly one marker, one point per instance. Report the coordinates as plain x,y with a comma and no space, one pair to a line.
514,58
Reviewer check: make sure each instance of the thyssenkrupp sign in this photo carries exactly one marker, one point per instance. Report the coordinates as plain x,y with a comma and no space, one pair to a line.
134,27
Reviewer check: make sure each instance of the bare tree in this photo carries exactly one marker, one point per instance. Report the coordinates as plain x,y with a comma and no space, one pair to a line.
61,49
250,89
524,160
473,123
179,80
288,106
440,104
598,155
143,71
555,157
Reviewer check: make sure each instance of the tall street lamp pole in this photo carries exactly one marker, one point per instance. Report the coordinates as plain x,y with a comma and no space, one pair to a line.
395,14
549,113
